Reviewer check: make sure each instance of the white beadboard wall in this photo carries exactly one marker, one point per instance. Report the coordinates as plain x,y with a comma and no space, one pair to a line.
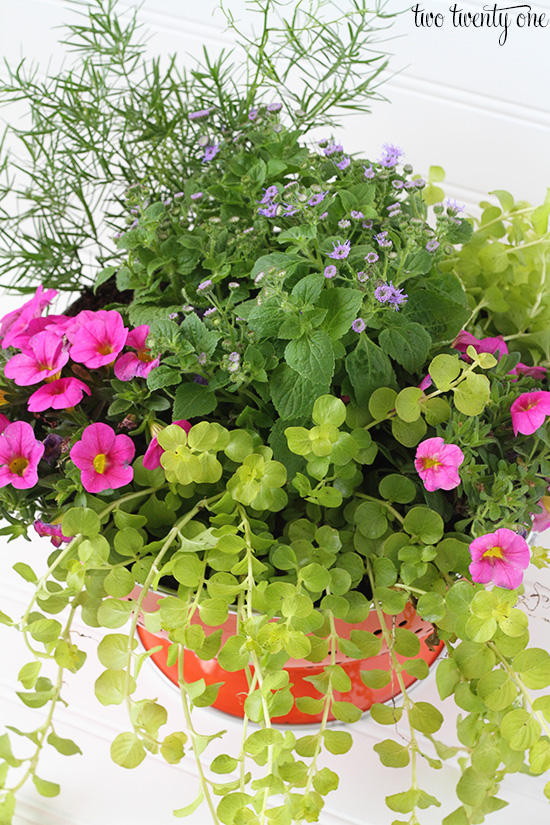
461,101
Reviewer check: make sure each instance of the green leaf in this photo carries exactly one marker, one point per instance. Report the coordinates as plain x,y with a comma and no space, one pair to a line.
44,787
431,606
407,404
28,675
80,520
369,368
112,650
497,690
533,667
424,524
64,746
382,402
425,717
520,730
337,741
25,571
408,433
406,342
472,394
234,655
293,394
386,714
397,488
127,751
113,613
312,355
193,400
342,307
172,748
443,370
473,787
346,712
406,643
329,410
376,678
391,754
113,686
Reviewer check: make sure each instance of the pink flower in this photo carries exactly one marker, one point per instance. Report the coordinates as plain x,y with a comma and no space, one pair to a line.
136,364
496,346
541,521
52,530
58,395
13,326
20,453
3,423
96,337
437,464
538,373
499,557
44,358
529,411
104,458
151,459
425,383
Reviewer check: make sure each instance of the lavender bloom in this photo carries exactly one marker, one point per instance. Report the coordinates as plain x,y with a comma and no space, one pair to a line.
389,294
290,210
201,358
196,196
52,447
431,246
173,316
367,224
167,202
200,114
234,359
453,206
269,211
234,356
393,206
397,184
277,127
134,224
323,216
247,230
315,199
199,379
340,251
259,277
210,152
344,163
332,148
180,195
420,183
135,210
233,284
359,325
369,172
372,257
210,311
204,285
362,277
357,215
343,224
330,271
273,107
409,184
253,114
390,155
382,239
269,193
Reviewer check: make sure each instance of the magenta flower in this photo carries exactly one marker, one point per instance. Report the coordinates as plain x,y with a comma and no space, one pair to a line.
538,373
58,395
97,337
3,423
104,458
51,530
136,364
425,383
499,557
13,326
541,521
43,359
20,453
496,346
529,411
151,459
437,464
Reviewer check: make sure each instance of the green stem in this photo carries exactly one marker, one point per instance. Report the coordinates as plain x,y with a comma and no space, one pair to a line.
386,504
523,690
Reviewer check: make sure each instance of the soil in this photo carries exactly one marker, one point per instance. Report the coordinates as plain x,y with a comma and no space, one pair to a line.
106,294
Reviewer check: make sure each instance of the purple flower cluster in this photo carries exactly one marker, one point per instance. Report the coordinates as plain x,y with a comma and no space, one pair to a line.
359,325
200,114
340,250
389,294
431,246
210,152
369,172
330,271
382,240
315,199
273,107
332,149
390,155
344,163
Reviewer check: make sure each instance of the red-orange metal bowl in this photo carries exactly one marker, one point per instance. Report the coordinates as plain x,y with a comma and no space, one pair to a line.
234,688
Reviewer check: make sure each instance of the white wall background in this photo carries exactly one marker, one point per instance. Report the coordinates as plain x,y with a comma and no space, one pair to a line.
481,111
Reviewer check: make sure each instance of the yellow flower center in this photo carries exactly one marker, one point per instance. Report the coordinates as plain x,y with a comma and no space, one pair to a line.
3,401
493,552
18,465
100,463
431,462
144,355
105,349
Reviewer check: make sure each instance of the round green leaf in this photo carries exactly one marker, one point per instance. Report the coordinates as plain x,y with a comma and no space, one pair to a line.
407,404
329,410
497,690
425,717
127,751
397,488
424,524
520,730
80,520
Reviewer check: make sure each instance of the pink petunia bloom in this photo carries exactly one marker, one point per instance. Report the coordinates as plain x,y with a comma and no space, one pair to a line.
43,359
437,464
3,423
96,337
529,411
538,373
496,346
104,458
53,323
499,557
51,530
151,459
541,521
13,326
20,453
58,395
425,383
136,364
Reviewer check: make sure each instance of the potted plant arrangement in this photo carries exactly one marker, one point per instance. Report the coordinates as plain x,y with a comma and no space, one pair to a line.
306,432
